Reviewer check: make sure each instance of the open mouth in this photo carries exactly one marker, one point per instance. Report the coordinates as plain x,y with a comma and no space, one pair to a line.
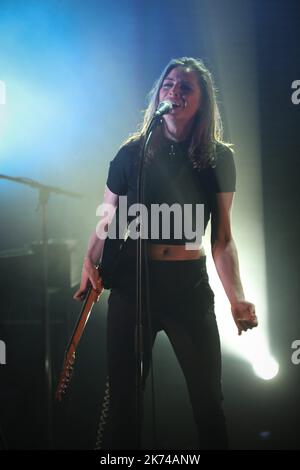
176,105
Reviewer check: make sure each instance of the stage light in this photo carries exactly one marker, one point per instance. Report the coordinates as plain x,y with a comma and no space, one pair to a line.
248,211
267,368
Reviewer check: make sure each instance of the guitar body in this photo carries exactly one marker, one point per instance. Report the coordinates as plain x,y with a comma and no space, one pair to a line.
110,262
117,253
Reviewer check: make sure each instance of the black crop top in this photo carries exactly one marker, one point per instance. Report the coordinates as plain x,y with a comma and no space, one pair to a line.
171,179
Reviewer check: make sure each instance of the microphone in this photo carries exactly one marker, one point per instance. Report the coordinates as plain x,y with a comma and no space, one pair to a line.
164,107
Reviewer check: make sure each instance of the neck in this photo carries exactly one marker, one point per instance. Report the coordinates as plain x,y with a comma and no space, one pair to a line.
176,132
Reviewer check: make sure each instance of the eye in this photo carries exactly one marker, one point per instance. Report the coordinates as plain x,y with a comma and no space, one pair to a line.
186,87
167,85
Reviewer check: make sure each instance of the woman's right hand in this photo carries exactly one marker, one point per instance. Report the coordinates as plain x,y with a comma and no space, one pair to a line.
90,275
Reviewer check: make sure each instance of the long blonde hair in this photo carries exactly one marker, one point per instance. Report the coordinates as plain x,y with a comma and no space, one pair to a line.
207,128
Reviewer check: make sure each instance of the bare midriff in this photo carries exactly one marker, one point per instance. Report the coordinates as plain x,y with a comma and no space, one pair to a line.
173,252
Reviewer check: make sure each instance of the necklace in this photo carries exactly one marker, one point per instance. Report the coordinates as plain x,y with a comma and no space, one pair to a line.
172,151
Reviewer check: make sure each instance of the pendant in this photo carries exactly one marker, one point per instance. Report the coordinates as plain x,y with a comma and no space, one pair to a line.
172,152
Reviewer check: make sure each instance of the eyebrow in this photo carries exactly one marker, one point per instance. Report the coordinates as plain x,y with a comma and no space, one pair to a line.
183,81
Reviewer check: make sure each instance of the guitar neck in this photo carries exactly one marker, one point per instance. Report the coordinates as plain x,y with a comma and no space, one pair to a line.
91,298
65,376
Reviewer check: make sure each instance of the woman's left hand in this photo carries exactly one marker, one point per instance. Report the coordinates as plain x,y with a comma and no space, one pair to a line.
244,315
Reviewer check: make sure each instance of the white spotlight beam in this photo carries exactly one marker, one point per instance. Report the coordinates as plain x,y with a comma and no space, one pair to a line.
230,43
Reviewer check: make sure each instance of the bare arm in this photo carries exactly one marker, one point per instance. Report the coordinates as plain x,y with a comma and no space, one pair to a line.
226,261
95,247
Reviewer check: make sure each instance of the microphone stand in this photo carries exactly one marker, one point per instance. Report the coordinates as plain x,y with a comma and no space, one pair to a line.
141,255
44,194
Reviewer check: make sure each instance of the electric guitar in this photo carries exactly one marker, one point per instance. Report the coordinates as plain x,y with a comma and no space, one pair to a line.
68,365
110,264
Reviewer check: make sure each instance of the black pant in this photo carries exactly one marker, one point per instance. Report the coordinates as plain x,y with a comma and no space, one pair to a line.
182,304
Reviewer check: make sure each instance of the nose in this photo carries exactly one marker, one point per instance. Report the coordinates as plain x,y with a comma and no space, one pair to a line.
174,91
